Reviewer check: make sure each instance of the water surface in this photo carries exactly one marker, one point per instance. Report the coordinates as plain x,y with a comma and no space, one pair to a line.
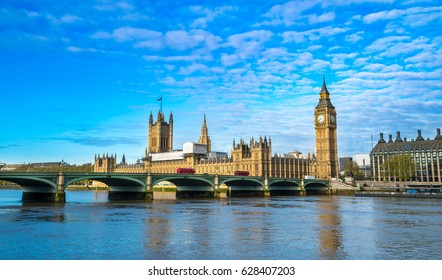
90,227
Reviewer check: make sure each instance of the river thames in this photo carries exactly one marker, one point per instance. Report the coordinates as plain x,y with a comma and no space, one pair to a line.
89,227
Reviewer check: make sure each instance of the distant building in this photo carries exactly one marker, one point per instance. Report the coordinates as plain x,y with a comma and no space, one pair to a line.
48,164
12,167
343,162
426,154
363,161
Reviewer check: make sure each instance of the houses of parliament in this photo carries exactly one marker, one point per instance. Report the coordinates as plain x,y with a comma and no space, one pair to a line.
254,156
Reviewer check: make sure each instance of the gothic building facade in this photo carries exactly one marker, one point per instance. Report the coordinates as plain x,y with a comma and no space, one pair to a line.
254,156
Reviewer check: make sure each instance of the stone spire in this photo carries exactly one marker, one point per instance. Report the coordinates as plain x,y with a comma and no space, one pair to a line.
205,138
170,117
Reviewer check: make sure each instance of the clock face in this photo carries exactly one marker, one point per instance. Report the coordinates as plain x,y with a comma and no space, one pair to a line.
332,119
321,118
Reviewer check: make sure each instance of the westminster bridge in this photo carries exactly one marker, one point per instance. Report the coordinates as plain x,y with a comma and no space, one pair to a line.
51,186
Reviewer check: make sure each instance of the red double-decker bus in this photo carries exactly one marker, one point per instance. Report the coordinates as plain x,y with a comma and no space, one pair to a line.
241,173
185,170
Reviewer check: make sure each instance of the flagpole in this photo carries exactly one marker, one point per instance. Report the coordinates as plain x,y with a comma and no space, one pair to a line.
161,104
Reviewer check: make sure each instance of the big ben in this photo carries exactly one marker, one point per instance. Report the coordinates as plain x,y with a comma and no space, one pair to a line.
326,141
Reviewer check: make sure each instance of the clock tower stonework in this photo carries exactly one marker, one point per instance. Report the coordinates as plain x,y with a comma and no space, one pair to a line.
326,140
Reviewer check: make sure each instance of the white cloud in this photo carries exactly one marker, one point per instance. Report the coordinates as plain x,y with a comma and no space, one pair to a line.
383,44
191,57
77,49
259,36
177,39
311,35
382,68
155,43
229,59
198,67
316,65
129,34
66,19
288,13
208,15
183,40
355,37
115,6
428,57
384,15
415,16
405,47
338,60
312,19
246,45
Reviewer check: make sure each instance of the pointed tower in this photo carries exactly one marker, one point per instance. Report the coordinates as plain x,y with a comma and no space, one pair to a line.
326,140
160,139
205,138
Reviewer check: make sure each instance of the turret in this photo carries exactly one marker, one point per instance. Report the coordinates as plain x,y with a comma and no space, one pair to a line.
160,134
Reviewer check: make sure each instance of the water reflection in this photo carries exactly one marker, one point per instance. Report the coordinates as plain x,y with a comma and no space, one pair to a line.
330,233
157,233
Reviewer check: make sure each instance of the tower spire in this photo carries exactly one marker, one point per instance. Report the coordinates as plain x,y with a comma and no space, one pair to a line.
205,138
324,91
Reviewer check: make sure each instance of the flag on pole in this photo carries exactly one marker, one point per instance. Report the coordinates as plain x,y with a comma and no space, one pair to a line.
161,103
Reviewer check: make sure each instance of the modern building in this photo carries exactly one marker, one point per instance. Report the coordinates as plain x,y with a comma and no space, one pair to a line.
254,156
426,157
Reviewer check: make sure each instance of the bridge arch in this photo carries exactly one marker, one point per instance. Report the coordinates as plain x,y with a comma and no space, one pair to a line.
284,183
184,181
32,183
316,185
114,180
242,181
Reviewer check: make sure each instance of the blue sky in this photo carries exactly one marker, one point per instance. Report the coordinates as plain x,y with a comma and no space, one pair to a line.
81,77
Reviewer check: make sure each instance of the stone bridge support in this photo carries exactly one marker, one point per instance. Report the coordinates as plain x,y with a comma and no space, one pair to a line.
50,188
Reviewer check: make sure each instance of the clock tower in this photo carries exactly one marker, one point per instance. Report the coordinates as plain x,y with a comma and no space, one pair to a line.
326,141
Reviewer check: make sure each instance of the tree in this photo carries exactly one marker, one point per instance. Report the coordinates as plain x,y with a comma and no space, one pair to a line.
399,167
352,170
